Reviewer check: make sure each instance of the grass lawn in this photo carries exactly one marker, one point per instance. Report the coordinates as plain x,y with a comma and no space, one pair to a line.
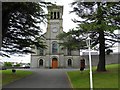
107,79
8,76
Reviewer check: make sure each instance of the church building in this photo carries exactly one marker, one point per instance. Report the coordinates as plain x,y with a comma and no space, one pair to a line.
54,56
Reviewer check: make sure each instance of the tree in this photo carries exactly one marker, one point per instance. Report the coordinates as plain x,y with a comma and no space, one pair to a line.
21,26
7,64
99,19
17,65
71,40
109,51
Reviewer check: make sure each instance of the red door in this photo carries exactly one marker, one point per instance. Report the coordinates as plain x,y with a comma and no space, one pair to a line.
54,63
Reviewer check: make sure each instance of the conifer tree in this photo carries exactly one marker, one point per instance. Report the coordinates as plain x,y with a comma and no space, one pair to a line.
100,21
21,26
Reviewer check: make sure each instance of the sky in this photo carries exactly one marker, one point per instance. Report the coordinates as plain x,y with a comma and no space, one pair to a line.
67,24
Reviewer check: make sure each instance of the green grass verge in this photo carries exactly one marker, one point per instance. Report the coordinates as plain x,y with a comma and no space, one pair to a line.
8,76
107,79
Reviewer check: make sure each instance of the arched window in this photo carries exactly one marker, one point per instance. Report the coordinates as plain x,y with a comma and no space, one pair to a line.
41,62
69,62
54,48
40,51
69,51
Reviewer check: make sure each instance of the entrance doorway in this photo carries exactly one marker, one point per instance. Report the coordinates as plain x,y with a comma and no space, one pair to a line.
69,62
40,63
54,63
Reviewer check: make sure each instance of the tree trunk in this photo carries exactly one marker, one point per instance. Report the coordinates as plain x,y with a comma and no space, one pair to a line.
101,64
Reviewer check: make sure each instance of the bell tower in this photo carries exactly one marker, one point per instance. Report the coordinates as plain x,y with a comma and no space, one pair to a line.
55,21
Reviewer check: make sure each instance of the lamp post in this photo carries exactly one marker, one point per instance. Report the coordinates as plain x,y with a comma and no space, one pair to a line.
90,65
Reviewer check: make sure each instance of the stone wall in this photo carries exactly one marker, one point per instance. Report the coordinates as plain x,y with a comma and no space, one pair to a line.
110,59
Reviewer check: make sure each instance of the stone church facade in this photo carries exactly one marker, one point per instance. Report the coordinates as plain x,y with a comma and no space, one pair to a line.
54,56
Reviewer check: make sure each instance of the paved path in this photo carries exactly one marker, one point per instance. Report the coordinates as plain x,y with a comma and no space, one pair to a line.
43,78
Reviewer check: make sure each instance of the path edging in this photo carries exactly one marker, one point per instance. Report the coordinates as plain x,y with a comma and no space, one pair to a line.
69,80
